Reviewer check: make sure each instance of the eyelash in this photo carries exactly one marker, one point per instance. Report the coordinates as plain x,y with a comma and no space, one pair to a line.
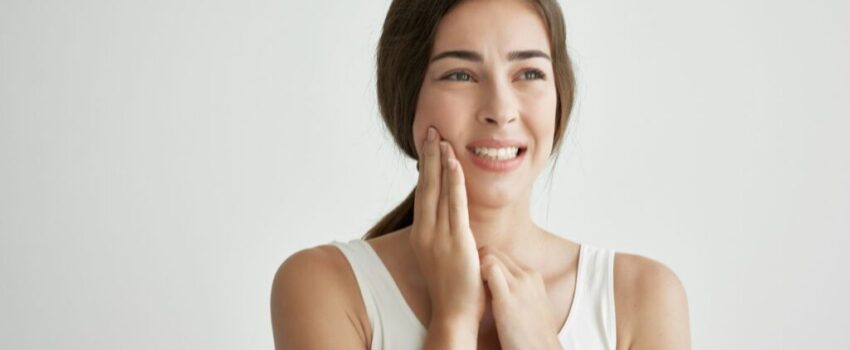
540,75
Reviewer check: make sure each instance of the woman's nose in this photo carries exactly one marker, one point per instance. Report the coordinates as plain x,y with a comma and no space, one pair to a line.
499,105
500,119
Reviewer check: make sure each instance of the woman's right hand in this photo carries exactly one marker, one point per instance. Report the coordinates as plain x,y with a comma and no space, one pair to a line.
442,239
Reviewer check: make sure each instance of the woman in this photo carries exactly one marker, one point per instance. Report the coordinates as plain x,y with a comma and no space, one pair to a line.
479,92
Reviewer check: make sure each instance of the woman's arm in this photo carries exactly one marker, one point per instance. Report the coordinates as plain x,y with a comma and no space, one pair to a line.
652,302
313,307
451,334
310,306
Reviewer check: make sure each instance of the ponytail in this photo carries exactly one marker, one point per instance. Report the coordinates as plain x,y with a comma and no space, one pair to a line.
400,217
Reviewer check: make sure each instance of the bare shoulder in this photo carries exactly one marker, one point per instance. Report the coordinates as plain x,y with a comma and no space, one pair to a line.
314,302
651,304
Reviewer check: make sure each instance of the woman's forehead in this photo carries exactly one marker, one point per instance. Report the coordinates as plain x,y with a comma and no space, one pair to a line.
492,27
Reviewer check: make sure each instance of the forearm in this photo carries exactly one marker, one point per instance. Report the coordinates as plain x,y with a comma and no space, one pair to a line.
446,334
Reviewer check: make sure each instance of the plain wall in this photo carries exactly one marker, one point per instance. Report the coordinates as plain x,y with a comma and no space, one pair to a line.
160,159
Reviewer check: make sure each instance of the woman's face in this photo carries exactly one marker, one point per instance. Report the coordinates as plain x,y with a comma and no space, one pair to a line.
486,95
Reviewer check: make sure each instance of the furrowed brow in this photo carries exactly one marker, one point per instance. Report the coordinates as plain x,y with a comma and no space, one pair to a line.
476,57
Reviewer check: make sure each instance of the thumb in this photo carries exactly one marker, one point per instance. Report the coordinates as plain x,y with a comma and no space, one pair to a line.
496,281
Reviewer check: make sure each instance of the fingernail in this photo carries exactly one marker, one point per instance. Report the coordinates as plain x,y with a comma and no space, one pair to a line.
452,164
431,133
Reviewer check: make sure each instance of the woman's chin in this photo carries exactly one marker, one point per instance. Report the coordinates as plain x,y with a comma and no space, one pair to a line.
493,196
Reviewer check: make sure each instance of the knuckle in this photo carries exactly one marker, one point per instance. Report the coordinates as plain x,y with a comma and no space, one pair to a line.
417,235
417,241
425,182
489,260
487,270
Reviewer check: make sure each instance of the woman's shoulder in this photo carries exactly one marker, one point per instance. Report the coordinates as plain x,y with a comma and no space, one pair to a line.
316,284
324,262
319,269
650,301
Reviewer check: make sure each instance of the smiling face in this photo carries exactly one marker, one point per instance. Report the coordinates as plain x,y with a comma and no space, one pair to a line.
490,78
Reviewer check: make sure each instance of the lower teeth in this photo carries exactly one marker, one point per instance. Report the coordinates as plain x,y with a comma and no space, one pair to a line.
496,158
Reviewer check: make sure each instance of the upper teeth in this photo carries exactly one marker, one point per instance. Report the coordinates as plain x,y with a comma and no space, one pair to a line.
497,153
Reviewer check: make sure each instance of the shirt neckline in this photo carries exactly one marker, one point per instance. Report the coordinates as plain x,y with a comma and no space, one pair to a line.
412,316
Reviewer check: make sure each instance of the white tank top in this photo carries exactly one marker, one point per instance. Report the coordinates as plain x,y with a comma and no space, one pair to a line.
591,323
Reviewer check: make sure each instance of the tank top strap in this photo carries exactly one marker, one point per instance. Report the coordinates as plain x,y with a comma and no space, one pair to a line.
597,289
385,305
365,274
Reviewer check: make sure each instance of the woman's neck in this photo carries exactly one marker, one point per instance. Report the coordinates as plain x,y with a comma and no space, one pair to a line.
509,229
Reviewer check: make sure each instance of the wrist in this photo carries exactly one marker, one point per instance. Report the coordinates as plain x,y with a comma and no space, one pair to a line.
455,323
451,332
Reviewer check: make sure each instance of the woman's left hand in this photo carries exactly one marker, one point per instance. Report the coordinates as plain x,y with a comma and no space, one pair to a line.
521,308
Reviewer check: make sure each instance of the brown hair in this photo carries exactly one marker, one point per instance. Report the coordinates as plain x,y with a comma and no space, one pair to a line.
402,60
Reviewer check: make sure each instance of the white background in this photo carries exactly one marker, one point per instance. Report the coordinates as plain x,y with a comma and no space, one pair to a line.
160,159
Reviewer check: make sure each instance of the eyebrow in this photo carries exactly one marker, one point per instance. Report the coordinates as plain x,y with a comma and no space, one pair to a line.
476,57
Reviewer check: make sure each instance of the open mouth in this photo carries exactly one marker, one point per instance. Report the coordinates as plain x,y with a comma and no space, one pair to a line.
498,153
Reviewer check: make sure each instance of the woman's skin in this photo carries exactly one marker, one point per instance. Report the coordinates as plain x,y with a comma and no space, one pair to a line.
474,268
494,98
454,268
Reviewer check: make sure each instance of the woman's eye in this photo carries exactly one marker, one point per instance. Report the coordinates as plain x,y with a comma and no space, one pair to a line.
531,74
534,74
461,75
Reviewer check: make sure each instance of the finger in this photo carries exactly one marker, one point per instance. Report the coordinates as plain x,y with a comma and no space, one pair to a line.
459,212
510,264
443,205
458,207
494,275
428,188
512,271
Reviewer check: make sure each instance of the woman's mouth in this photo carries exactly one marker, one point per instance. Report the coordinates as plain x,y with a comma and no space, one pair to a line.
498,159
504,153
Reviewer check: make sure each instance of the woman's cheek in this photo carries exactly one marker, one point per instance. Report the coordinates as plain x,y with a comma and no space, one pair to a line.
452,101
445,110
539,95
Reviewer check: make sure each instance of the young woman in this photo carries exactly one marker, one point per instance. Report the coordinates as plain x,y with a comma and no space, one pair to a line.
479,92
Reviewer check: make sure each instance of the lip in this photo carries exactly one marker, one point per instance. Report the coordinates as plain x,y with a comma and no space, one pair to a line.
496,143
500,166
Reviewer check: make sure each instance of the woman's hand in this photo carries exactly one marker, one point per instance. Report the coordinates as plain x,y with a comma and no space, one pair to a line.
521,308
442,240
